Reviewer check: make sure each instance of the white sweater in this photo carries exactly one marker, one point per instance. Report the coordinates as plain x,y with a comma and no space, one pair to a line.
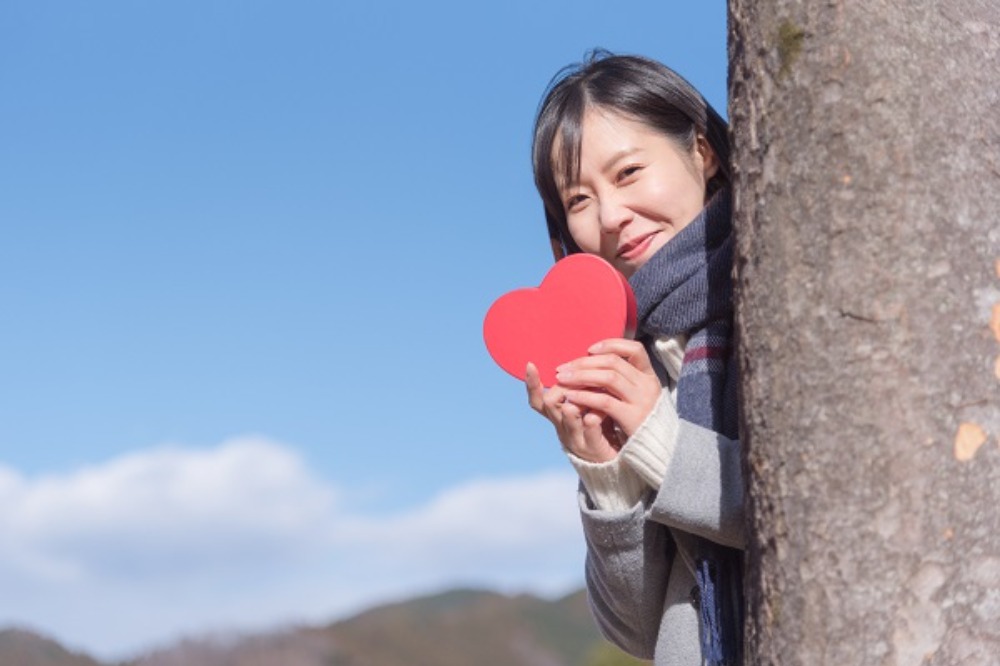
643,460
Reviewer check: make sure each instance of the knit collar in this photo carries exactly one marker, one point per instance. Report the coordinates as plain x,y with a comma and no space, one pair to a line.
670,353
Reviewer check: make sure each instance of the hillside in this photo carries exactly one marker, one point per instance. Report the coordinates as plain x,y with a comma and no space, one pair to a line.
466,627
20,647
457,628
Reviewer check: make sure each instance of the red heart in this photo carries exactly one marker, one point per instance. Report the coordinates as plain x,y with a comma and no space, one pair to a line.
583,299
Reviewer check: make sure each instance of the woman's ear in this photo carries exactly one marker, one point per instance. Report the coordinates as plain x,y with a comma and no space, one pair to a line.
709,160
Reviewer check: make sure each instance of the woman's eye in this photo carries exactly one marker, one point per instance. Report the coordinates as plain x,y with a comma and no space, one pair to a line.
628,172
575,202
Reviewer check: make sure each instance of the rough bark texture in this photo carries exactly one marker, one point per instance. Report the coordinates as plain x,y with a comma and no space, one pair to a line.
867,183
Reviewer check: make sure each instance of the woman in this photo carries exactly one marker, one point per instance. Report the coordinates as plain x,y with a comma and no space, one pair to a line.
632,165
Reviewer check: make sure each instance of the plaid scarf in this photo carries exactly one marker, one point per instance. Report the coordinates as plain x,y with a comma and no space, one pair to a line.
686,289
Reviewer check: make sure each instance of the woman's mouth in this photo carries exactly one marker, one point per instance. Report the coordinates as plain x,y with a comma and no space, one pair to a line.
635,248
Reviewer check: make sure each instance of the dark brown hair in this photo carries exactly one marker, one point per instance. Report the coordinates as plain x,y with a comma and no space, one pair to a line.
633,86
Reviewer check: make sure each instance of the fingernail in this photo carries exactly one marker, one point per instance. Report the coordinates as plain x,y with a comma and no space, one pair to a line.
563,374
596,347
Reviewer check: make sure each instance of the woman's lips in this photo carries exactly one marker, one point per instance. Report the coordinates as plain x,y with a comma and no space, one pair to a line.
635,248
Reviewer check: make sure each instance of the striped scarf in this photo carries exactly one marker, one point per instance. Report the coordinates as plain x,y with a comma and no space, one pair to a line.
686,289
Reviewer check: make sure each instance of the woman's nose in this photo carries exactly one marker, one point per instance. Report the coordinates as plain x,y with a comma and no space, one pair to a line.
614,213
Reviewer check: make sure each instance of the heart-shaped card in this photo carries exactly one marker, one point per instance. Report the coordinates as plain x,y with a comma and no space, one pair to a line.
582,299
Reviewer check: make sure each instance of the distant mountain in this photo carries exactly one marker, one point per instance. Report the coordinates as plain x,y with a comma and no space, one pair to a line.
469,627
457,628
20,647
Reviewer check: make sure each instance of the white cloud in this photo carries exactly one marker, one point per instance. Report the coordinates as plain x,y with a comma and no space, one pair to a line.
176,540
489,519
166,510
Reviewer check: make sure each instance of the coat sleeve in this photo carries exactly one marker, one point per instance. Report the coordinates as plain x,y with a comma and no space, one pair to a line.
702,489
629,558
696,472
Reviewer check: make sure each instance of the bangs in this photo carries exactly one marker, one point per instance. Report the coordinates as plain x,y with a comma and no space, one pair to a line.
556,155
565,154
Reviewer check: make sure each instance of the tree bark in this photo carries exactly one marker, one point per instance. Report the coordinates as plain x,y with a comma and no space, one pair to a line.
867,195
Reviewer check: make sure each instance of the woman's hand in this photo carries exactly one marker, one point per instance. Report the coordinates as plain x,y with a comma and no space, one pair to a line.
617,379
589,435
614,386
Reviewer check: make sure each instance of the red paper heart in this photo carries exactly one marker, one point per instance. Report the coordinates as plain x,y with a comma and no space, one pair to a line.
582,300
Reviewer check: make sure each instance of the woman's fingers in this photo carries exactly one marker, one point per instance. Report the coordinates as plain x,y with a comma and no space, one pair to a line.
604,375
552,405
584,434
626,414
632,351
596,401
607,372
601,435
533,384
581,430
599,396
628,411
613,365
547,402
572,435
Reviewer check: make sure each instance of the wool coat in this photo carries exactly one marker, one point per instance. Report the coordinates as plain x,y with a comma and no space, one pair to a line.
673,484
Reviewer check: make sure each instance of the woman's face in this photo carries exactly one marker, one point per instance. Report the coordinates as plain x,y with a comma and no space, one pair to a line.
637,189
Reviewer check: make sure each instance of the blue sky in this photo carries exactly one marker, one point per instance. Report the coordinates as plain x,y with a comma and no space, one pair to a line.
245,252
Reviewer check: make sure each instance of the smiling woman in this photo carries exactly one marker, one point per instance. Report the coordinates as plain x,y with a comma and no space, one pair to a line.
632,165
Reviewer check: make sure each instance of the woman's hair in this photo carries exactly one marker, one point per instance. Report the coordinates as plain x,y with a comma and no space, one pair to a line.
635,87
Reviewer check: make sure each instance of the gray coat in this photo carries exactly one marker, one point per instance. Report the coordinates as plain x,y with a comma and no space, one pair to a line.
640,562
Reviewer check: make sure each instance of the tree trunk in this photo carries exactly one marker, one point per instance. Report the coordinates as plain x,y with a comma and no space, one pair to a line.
867,196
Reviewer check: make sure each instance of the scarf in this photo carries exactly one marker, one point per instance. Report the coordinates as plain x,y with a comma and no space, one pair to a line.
686,289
